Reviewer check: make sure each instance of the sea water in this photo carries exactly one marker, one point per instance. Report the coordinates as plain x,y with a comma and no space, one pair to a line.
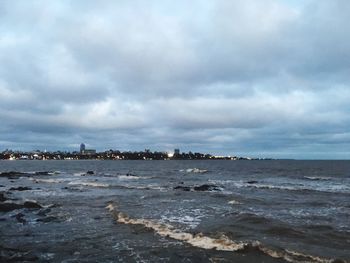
177,211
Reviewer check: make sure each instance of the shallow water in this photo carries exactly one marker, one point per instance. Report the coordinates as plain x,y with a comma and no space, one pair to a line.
219,211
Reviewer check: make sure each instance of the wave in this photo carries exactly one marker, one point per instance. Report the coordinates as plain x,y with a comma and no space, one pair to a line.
234,202
93,184
222,244
343,189
129,177
312,186
53,181
194,170
318,178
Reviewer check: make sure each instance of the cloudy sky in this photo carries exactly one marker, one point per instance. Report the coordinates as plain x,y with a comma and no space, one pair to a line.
245,77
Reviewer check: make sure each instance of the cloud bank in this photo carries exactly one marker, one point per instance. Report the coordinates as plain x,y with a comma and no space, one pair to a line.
261,78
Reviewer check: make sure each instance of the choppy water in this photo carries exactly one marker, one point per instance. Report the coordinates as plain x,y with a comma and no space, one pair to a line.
178,211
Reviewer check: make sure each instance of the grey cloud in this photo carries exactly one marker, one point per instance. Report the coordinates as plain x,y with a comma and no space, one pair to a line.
249,77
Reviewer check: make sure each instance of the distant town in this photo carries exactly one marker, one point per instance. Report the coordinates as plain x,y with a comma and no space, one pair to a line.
91,154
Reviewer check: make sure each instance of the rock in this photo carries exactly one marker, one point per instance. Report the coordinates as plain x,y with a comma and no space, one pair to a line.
31,205
90,172
16,255
2,197
20,218
6,207
47,219
12,174
206,187
183,188
9,206
252,182
44,173
2,185
20,188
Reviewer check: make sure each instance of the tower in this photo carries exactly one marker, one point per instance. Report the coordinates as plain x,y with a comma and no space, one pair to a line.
82,148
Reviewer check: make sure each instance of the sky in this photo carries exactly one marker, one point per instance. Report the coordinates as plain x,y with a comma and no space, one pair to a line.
245,77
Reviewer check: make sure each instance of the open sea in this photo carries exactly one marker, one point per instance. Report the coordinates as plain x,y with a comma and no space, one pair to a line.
175,211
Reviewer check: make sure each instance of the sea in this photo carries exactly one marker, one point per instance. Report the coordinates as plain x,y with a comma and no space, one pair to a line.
175,211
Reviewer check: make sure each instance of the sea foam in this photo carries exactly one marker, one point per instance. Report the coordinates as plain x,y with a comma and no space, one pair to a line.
222,243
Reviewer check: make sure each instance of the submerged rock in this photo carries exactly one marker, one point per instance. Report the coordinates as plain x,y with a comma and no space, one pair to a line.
20,218
12,174
20,188
252,182
48,219
2,197
44,212
7,207
206,187
132,175
31,204
44,173
184,188
16,255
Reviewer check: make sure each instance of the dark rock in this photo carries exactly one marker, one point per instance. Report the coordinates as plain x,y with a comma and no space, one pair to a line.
183,188
90,172
2,197
20,218
43,173
6,207
47,219
20,188
2,185
12,174
206,187
252,182
129,174
30,204
16,255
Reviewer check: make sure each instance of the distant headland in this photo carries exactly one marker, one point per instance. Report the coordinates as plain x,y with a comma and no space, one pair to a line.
92,154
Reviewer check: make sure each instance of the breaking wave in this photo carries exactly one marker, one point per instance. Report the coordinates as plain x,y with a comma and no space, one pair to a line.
311,186
318,178
194,170
92,184
222,244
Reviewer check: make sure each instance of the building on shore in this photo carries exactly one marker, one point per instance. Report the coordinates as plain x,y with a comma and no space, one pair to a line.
82,148
85,151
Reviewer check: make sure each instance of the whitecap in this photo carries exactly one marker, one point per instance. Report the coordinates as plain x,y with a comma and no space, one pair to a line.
93,184
194,170
318,178
128,177
234,202
222,243
53,181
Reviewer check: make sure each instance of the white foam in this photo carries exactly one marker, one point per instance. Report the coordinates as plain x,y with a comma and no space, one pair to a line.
93,184
194,170
318,178
53,181
128,177
205,242
234,202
